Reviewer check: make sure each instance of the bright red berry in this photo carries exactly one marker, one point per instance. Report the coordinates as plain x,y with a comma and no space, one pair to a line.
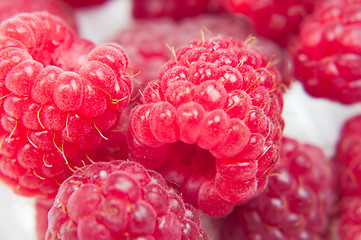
121,200
60,96
275,19
212,123
327,53
297,202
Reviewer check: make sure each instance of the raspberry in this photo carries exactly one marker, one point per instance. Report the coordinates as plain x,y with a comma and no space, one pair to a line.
277,20
296,203
42,207
175,9
55,7
121,200
84,3
146,42
214,112
347,168
327,52
60,97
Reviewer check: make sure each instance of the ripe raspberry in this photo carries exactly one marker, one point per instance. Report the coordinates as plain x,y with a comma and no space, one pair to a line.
42,207
296,203
60,97
348,168
348,219
211,123
148,41
327,53
275,19
175,9
10,8
121,200
84,3
348,157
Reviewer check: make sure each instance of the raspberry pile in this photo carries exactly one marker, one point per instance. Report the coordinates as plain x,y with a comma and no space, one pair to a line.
60,95
121,200
211,123
275,19
327,52
296,203
174,130
149,42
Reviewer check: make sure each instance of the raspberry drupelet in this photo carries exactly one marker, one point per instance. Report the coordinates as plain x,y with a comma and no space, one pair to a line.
211,123
327,54
297,202
121,200
60,95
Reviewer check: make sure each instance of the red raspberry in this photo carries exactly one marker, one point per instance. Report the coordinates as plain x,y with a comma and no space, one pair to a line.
121,200
348,223
42,207
348,157
275,19
296,203
327,53
148,41
348,169
175,9
60,97
84,3
211,123
56,7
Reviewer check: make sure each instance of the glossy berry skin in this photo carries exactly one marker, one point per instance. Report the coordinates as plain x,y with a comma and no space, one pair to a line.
175,9
121,200
211,123
275,19
297,202
327,53
60,95
149,42
347,169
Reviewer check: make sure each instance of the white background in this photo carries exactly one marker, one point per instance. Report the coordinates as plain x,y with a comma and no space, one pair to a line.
309,120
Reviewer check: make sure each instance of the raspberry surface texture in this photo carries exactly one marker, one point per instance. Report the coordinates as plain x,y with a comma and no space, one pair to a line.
327,53
211,123
55,7
149,42
347,219
297,202
121,200
42,207
60,96
275,19
176,9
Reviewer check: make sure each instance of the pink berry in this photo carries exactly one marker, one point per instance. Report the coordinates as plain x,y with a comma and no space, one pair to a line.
120,199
